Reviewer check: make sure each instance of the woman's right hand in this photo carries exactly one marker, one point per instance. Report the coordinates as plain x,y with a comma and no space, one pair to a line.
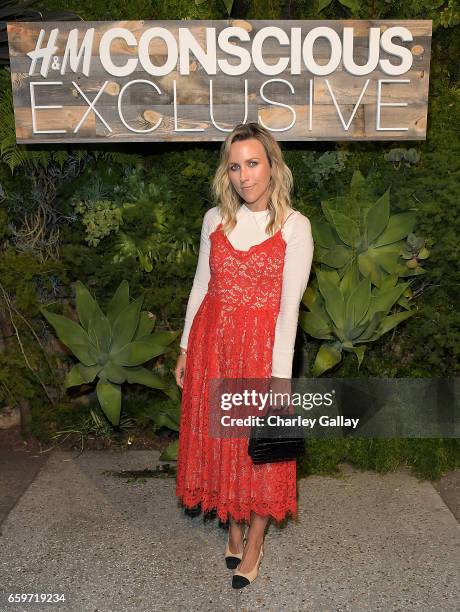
179,372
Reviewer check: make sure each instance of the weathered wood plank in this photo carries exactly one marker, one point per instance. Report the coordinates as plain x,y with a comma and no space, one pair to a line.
142,105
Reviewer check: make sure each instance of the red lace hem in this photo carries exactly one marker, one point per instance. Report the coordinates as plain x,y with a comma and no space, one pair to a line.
239,512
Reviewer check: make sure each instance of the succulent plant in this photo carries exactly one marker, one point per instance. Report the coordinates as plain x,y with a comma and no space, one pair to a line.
348,313
407,156
112,346
414,251
358,228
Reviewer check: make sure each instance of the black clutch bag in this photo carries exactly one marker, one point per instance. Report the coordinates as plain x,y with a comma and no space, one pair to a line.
280,445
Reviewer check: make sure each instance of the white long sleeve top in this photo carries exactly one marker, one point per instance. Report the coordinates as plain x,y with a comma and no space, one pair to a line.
250,230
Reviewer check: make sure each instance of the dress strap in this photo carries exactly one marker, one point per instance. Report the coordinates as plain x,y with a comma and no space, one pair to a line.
287,218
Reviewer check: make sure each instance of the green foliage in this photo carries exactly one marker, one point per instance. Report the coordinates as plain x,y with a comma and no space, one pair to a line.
167,191
11,153
30,280
111,346
415,251
155,415
100,218
94,424
142,208
401,155
443,13
115,10
315,168
428,459
17,382
348,314
164,413
352,5
228,4
357,228
450,15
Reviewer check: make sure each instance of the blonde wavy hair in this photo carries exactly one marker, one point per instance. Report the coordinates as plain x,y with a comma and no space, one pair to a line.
228,200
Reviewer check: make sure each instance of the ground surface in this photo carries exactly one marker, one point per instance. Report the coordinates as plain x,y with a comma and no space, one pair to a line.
363,541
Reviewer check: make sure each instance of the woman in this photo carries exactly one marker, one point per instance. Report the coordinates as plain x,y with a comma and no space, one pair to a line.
241,321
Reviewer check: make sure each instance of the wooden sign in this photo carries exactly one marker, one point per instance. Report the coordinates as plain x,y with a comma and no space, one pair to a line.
195,80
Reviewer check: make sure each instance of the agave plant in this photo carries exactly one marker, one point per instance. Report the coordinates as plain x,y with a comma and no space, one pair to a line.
358,228
112,347
348,313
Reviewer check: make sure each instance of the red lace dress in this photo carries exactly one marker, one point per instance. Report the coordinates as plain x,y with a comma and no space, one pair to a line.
232,336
